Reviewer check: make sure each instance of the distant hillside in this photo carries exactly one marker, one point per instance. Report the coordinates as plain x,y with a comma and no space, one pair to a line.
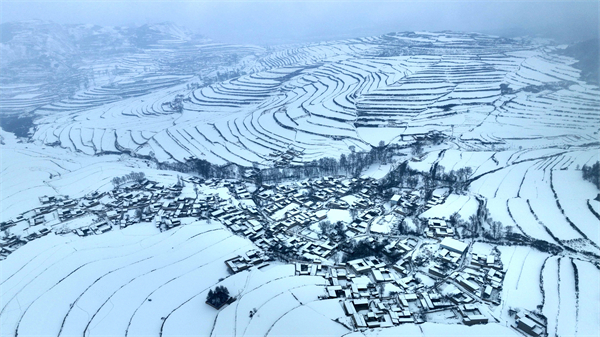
587,52
53,44
43,61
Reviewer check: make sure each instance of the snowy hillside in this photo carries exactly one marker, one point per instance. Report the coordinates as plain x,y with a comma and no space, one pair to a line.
481,91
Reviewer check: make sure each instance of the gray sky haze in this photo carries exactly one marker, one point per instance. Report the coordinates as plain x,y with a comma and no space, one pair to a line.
268,22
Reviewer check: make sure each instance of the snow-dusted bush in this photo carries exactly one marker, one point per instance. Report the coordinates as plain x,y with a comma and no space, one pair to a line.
218,297
592,174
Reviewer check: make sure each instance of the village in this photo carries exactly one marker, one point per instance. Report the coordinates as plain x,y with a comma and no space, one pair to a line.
329,227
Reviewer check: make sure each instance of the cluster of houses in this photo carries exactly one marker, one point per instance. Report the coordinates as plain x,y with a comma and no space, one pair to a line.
437,198
53,210
476,279
482,278
438,228
270,226
284,159
364,302
246,261
361,223
360,285
11,241
286,210
530,324
143,201
243,220
239,190
66,209
406,202
151,202
317,192
277,217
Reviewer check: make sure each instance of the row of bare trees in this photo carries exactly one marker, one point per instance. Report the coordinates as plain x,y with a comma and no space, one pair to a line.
132,176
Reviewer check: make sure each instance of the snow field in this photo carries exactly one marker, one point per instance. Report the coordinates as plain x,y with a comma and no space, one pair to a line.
119,282
138,282
314,319
567,297
521,288
573,194
523,217
272,292
551,287
568,301
589,297
536,189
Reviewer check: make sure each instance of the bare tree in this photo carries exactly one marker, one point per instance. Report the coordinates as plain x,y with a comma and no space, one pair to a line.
495,229
472,224
417,150
353,213
326,227
138,214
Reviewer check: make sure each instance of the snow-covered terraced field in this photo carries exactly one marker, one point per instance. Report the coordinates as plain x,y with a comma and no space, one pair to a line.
140,282
342,94
523,194
566,289
539,193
